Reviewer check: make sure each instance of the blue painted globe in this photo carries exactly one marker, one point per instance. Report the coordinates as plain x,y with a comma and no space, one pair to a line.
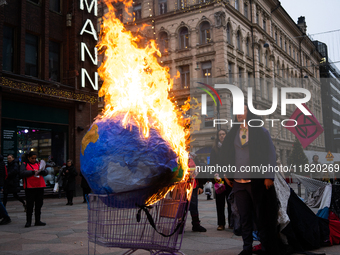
115,160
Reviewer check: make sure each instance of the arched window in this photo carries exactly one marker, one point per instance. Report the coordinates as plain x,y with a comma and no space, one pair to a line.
163,42
238,38
228,33
205,32
183,38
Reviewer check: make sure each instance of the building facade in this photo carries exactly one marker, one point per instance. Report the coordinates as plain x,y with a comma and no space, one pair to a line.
48,90
248,43
330,92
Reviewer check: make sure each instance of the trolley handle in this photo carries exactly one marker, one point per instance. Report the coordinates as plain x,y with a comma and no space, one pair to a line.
151,221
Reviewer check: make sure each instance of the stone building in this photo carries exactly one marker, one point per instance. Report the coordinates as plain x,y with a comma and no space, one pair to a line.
243,42
48,91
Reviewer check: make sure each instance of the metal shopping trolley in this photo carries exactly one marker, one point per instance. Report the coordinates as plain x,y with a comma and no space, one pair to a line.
120,220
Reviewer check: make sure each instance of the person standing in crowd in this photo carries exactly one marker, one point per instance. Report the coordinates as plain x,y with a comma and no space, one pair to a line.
3,212
60,180
69,174
221,197
193,207
34,185
208,189
12,183
85,186
254,195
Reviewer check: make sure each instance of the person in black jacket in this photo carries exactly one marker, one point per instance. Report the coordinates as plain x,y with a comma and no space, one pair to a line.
3,212
34,184
221,198
69,180
85,186
12,183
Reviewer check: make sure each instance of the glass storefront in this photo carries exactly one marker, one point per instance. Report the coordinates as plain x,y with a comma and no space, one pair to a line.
48,140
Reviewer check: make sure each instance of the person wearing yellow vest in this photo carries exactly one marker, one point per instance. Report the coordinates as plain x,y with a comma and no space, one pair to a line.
34,185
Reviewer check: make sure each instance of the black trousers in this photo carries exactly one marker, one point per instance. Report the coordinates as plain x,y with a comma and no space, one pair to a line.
69,195
257,207
34,198
86,191
15,195
193,208
220,207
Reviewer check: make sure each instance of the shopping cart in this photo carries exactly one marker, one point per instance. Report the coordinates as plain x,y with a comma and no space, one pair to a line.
114,221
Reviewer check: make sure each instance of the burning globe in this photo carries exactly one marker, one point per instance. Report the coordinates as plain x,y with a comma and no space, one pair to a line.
139,141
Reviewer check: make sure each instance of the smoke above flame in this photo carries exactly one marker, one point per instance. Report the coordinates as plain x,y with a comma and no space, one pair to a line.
135,84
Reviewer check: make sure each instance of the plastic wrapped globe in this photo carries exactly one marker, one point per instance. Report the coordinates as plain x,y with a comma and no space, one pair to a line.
117,160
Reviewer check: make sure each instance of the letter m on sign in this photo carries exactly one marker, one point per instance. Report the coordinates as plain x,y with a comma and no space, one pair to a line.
93,4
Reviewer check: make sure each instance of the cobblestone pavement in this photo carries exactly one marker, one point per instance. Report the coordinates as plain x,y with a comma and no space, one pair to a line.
66,232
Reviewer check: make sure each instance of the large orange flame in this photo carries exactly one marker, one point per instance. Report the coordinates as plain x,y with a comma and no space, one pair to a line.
138,86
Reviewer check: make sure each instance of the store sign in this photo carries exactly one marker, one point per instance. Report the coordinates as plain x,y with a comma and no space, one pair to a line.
88,28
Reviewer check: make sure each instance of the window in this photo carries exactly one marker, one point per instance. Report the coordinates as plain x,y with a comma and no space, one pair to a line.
290,50
137,11
238,38
283,71
276,38
8,49
237,5
240,80
285,46
257,18
259,55
31,55
261,87
245,10
119,14
247,47
281,42
230,73
162,6
183,38
55,5
268,90
278,68
250,80
206,69
294,54
266,58
54,61
228,33
163,42
297,57
185,76
209,119
182,4
205,32
264,25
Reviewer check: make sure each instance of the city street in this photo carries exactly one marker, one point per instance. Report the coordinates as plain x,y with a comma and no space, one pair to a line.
66,232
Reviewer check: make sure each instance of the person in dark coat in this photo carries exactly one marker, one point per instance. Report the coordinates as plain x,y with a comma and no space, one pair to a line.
85,186
34,184
12,183
3,212
69,180
221,198
248,146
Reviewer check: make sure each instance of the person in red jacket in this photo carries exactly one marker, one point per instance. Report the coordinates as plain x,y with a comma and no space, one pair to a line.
34,185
